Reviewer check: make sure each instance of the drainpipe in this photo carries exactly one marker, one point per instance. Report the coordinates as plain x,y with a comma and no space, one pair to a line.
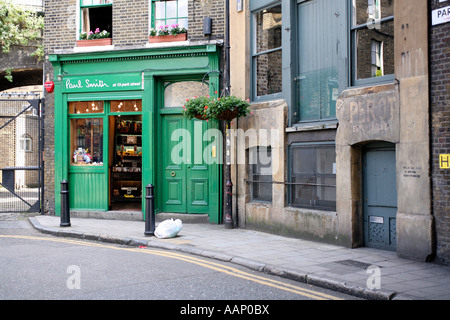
229,223
227,46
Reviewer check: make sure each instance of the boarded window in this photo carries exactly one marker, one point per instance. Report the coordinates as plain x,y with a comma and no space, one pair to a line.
322,58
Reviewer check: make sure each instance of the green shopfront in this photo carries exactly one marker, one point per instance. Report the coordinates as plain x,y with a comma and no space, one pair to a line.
119,127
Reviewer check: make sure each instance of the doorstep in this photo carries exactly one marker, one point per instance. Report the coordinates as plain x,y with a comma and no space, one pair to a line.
138,216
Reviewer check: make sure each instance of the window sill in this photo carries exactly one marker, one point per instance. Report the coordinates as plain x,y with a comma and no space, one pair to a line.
93,48
316,211
259,203
167,44
310,126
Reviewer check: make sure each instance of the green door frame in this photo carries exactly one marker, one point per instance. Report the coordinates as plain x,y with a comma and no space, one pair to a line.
101,199
142,67
214,169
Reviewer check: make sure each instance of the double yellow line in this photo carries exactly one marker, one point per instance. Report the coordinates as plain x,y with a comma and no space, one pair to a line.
206,264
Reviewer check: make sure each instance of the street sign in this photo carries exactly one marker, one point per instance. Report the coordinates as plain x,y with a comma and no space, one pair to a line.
441,15
444,161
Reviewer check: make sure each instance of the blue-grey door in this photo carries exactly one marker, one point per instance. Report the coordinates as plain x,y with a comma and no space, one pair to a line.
380,196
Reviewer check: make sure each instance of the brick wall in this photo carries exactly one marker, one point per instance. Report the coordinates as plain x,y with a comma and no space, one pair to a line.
130,22
197,10
440,131
130,29
60,25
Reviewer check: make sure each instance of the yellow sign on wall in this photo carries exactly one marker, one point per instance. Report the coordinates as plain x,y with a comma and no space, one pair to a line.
444,161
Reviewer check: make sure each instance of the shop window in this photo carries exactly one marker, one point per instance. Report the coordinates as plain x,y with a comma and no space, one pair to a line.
322,66
126,105
26,143
86,141
86,107
267,52
313,176
170,12
175,94
372,34
260,174
96,14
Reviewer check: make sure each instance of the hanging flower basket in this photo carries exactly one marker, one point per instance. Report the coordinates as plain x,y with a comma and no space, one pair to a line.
200,117
226,108
228,115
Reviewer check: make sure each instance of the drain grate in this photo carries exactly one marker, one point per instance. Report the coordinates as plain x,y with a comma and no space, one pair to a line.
354,263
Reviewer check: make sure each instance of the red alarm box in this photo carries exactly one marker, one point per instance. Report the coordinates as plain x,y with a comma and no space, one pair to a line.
49,86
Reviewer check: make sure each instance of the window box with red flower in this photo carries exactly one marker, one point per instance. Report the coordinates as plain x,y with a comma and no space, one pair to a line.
97,38
167,33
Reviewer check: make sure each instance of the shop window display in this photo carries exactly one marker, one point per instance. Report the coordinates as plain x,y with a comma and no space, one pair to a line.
86,141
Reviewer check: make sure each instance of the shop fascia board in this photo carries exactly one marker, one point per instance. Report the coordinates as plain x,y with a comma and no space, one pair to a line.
135,52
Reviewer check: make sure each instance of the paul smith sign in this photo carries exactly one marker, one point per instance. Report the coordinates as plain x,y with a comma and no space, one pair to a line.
103,83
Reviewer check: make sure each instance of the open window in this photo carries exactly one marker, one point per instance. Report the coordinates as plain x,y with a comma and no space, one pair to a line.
96,14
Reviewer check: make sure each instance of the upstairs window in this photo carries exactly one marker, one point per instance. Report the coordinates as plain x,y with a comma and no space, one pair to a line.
170,12
267,53
321,65
372,34
96,14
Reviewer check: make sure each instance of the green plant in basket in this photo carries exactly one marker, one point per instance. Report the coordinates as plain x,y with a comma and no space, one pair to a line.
197,107
224,108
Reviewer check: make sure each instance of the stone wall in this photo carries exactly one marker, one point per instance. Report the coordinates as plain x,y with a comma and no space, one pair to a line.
396,113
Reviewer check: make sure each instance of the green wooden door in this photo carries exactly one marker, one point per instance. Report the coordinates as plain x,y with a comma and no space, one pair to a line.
186,179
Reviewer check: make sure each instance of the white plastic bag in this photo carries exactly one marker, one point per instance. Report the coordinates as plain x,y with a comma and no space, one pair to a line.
168,228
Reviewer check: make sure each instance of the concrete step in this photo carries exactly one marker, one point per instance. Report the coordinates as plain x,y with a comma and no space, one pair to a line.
138,216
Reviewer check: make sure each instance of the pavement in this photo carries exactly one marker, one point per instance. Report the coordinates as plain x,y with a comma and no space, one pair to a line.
362,272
